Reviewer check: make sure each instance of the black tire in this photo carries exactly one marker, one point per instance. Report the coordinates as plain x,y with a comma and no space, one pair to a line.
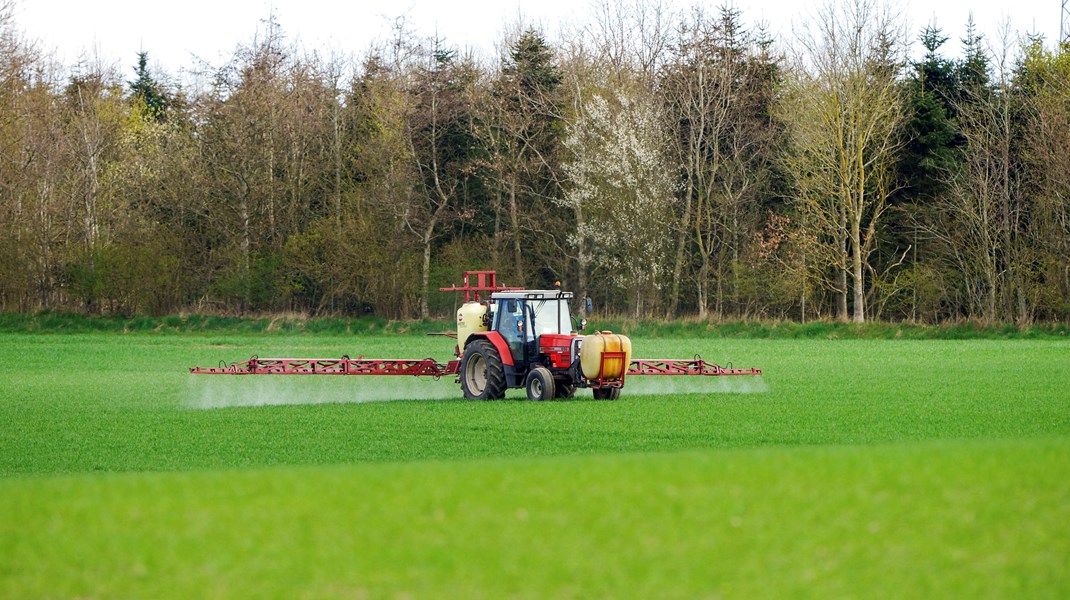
607,393
481,373
539,384
564,389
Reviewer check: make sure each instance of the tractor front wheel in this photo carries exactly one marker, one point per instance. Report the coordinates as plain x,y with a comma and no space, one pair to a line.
482,373
540,384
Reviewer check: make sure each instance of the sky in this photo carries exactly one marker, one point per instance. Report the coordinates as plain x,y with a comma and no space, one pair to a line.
173,33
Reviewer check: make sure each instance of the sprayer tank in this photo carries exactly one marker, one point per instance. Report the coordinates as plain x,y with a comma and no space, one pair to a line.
605,355
470,319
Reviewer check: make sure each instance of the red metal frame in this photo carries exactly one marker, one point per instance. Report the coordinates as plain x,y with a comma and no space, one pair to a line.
673,366
485,281
429,367
333,366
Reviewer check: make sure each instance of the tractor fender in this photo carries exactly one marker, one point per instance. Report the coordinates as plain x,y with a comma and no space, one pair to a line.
499,343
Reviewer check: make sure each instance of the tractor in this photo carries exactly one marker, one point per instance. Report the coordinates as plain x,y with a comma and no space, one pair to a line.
516,338
526,338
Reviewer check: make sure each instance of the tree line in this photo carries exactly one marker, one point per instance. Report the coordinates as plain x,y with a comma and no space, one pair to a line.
664,164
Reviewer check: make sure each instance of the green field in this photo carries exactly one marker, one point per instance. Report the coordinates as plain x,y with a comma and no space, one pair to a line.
853,468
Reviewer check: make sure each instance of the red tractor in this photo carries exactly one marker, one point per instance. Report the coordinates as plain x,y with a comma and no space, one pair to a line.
526,338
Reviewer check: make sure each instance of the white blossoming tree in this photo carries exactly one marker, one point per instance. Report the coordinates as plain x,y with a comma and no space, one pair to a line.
620,189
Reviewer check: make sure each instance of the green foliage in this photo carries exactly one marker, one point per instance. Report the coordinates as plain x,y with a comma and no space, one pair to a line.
973,71
932,135
148,94
282,184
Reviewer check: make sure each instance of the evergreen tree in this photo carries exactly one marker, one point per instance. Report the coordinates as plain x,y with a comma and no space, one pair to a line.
146,90
932,136
973,71
523,132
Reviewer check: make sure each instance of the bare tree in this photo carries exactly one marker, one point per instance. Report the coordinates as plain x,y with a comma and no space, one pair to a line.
718,89
441,142
631,36
986,205
844,109
1047,141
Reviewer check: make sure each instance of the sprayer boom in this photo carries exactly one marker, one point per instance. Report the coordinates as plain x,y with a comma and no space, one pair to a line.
675,366
332,366
508,338
429,367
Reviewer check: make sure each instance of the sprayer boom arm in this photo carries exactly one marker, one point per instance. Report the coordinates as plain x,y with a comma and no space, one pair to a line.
675,366
332,366
429,367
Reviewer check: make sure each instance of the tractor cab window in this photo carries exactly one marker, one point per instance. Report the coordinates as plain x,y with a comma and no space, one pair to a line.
551,316
509,314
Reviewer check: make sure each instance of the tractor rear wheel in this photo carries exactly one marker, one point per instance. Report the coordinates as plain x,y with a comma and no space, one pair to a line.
540,384
482,373
607,393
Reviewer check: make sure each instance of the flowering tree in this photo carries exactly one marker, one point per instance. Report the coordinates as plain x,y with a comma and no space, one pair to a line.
621,194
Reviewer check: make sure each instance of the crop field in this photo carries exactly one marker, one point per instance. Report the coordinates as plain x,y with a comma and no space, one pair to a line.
852,468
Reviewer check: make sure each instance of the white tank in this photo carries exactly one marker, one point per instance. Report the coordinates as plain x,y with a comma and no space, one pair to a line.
594,346
469,321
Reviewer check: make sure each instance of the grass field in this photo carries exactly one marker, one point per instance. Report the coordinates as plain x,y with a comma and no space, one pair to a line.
854,468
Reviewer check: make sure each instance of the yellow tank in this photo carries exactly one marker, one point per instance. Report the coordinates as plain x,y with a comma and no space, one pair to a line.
593,349
469,321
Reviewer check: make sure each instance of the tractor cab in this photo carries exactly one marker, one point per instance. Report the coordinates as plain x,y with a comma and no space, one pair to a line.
525,318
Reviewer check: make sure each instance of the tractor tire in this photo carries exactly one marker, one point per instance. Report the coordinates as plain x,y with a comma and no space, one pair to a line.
540,384
481,372
564,388
607,393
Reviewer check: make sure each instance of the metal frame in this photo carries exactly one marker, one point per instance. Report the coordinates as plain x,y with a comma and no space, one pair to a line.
673,366
485,281
430,368
333,366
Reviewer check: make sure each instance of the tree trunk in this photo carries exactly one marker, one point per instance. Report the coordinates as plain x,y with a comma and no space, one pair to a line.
425,271
514,219
581,261
244,243
703,287
857,274
735,257
495,246
841,281
678,263
337,155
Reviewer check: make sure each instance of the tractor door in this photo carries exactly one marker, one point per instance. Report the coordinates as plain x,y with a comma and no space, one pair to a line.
510,325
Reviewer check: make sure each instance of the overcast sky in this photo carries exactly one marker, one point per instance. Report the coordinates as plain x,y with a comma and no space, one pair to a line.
173,32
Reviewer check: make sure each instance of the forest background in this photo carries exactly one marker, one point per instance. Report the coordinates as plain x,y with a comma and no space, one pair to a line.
663,163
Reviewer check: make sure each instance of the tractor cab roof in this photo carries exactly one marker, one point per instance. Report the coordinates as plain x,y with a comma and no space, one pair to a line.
532,295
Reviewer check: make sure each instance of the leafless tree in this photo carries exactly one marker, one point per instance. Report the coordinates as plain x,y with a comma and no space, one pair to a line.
717,89
844,108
